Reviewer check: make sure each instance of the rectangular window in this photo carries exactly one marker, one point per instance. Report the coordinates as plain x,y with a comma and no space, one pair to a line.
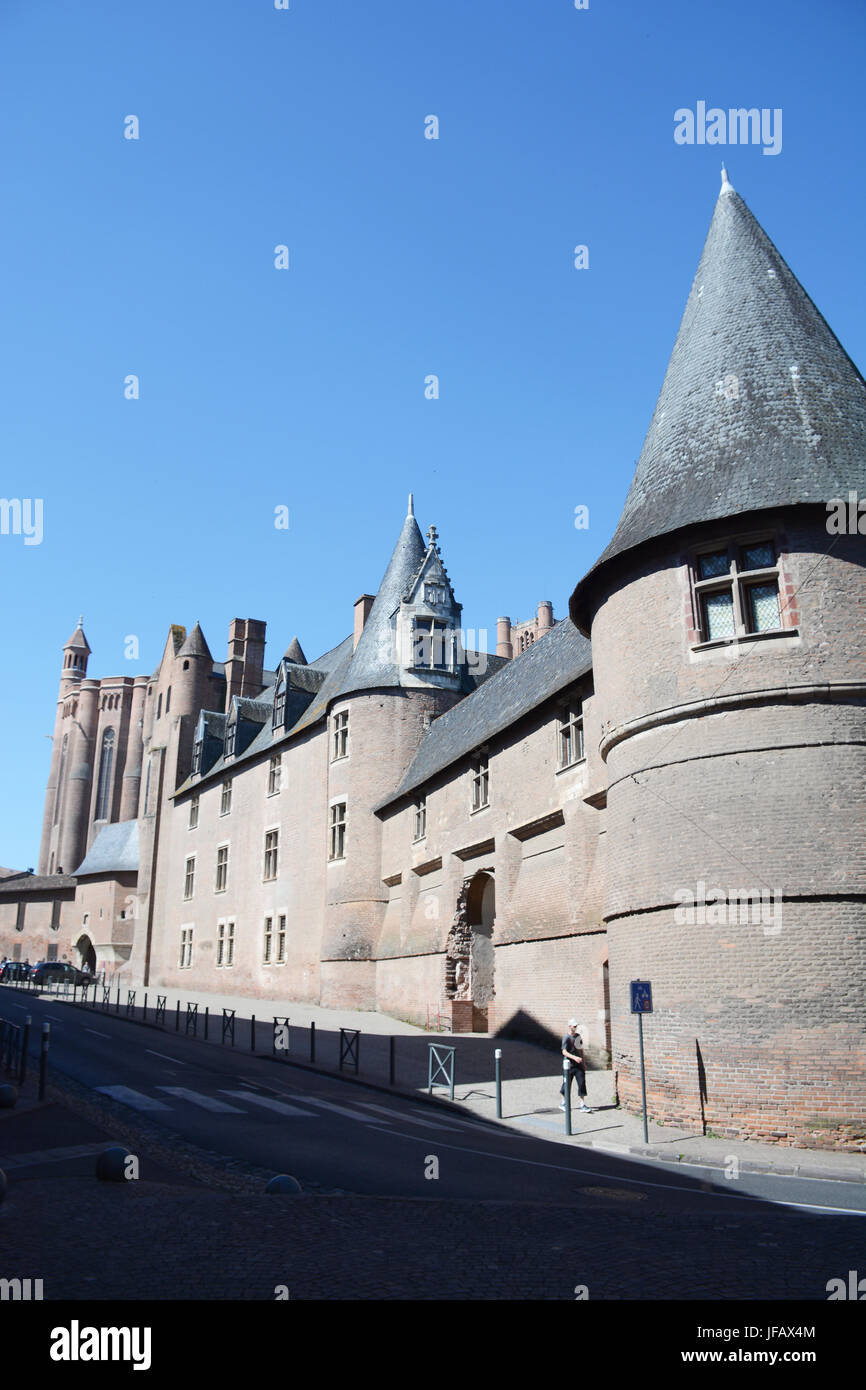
185,959
337,841
268,949
281,939
51,951
280,708
189,877
193,812
226,943
480,784
340,747
274,774
222,869
571,734
272,849
226,797
432,645
420,818
231,736
196,757
737,591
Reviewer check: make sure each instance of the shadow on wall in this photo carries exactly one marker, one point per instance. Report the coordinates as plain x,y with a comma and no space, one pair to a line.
525,1027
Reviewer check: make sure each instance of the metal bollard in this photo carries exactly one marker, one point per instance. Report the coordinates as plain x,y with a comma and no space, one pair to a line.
25,1043
177,1018
498,1057
566,1072
43,1058
144,1010
206,1019
253,1033
312,1041
117,1001
392,1061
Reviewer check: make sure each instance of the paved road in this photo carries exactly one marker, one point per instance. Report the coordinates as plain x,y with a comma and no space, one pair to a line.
352,1137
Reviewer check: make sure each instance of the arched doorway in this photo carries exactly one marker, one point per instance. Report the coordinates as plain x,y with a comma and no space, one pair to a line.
86,954
470,960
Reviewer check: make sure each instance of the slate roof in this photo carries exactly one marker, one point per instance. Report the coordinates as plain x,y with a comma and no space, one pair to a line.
33,883
321,678
372,663
791,428
195,644
557,659
295,653
78,640
115,850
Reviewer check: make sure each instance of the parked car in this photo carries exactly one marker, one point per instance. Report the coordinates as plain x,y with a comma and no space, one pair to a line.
47,972
15,970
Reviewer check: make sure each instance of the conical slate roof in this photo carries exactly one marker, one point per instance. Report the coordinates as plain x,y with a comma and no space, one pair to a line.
195,644
374,660
761,407
295,653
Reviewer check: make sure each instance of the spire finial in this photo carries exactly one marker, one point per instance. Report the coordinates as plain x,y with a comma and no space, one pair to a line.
432,536
81,620
411,511
727,186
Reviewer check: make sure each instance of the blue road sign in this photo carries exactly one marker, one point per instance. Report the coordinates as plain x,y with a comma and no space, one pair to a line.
641,997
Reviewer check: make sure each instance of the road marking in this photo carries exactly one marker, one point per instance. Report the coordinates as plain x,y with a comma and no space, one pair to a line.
55,1019
219,1107
278,1105
488,1129
136,1099
176,1060
633,1182
97,1033
344,1110
395,1115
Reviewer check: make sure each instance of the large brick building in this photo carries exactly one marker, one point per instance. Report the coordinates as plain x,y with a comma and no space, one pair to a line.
403,824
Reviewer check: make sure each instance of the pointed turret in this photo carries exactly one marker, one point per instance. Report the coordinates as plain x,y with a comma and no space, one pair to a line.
375,661
761,407
195,644
295,653
75,653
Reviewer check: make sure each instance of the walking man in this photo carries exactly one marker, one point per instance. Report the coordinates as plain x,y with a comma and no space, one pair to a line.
572,1051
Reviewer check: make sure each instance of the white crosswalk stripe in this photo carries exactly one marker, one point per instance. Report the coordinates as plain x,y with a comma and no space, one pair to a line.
278,1105
395,1116
343,1110
135,1099
219,1107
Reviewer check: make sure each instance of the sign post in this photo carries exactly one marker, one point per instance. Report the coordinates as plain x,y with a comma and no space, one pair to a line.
642,1003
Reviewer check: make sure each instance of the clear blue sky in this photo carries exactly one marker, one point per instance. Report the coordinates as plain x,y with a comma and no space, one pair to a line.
408,257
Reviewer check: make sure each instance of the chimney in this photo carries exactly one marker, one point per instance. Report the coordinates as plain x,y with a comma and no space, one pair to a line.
362,613
246,659
503,638
545,616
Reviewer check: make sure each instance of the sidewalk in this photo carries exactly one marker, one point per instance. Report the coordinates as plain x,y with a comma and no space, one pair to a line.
530,1091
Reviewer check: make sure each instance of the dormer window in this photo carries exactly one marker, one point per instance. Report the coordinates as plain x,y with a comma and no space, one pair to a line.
280,706
196,756
231,737
432,645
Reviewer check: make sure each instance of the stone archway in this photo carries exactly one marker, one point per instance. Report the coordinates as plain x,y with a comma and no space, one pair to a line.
86,953
469,954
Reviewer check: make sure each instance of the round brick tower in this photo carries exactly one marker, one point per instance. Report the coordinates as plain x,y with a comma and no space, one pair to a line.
408,665
730,658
